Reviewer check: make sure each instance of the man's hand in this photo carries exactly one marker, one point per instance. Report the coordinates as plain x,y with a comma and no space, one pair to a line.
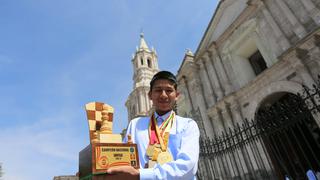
122,172
123,169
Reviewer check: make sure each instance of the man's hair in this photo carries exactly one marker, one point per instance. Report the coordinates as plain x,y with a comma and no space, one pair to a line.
164,75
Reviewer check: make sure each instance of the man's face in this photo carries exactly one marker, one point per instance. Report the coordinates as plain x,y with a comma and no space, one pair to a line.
163,96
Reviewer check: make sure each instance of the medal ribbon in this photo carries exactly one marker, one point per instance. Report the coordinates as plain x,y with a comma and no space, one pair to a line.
156,134
152,132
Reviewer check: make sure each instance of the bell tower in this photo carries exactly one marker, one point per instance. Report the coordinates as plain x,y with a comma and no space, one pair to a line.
145,65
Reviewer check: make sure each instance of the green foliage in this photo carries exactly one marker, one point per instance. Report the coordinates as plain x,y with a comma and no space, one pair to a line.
1,173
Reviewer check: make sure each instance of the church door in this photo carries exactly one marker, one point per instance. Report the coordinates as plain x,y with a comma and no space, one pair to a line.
291,136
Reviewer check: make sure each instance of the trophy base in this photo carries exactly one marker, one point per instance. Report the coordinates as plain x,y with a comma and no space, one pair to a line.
96,158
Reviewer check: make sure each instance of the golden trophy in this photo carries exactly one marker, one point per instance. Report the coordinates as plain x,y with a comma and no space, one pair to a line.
106,149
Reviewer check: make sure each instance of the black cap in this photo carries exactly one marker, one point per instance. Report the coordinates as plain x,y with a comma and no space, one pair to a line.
164,75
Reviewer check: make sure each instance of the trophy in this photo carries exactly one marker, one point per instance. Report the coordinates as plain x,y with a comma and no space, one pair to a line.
106,149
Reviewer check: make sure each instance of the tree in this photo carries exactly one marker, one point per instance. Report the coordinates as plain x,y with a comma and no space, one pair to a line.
1,173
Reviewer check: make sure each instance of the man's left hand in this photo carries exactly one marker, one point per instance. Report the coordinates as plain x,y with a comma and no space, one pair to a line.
123,172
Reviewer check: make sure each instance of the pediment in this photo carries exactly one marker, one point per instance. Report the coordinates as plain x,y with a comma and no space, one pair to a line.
225,14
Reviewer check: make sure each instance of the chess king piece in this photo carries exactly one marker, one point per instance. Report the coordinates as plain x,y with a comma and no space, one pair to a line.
106,126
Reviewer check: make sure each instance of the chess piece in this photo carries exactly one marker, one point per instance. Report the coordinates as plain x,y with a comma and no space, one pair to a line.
106,127
129,139
95,137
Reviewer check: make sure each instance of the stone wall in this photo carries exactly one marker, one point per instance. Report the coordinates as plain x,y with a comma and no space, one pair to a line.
221,82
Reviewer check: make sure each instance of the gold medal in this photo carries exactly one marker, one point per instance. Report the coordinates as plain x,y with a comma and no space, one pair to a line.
164,157
150,150
166,139
156,151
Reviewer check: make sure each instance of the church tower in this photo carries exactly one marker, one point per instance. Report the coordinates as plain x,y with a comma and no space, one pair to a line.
145,65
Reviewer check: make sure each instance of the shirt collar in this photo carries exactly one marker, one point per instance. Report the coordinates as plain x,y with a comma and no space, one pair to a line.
163,117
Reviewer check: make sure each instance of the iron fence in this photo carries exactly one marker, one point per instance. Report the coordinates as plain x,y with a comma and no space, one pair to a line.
283,141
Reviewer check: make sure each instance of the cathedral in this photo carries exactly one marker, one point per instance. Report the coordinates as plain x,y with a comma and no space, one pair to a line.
253,55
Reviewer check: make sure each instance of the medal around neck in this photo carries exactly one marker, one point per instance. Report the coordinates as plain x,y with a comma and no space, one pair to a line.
105,149
164,157
158,152
150,150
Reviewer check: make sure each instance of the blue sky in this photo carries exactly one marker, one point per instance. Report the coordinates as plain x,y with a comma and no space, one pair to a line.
56,56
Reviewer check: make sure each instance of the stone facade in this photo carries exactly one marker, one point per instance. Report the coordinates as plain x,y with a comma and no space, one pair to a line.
220,83
252,54
145,65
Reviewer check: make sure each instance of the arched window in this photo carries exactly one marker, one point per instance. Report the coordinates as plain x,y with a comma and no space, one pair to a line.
149,63
141,60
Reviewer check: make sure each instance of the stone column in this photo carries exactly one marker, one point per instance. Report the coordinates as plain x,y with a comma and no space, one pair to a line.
225,81
129,113
208,92
197,101
141,102
297,62
136,105
280,37
213,76
222,120
185,84
227,119
145,107
148,104
312,10
201,104
147,100
235,111
298,29
215,115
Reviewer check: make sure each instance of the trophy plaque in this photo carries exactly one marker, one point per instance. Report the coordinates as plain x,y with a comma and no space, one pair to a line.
106,149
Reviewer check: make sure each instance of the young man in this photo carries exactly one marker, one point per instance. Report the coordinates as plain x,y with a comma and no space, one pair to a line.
168,144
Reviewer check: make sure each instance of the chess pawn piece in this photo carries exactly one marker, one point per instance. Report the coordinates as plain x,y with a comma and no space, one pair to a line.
129,139
106,126
95,138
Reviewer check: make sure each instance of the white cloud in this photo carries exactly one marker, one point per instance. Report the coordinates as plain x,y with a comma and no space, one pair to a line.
39,151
